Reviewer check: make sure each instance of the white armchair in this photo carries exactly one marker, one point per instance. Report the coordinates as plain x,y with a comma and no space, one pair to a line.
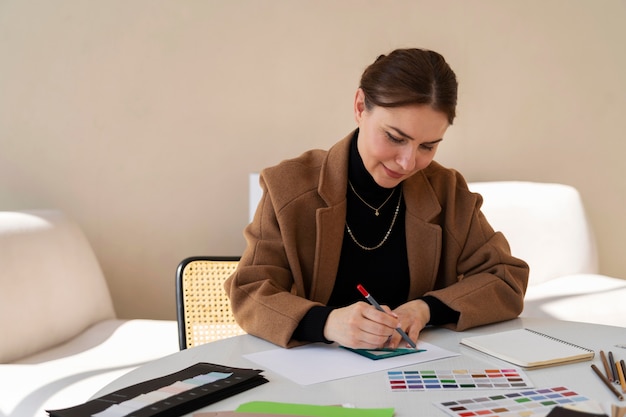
60,338
546,225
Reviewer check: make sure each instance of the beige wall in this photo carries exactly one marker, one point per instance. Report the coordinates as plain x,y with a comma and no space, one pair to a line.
142,119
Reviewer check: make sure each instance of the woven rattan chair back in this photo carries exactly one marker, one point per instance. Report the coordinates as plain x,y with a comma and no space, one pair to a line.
202,307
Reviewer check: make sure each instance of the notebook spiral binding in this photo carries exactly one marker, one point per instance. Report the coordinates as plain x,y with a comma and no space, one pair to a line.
556,339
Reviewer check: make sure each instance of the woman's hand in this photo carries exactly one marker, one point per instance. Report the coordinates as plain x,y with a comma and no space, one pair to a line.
413,317
361,326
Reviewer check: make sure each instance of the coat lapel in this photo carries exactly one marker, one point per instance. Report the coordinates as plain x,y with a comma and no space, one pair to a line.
331,219
423,238
330,225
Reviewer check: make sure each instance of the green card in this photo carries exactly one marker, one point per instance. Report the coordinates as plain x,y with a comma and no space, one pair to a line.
376,354
269,407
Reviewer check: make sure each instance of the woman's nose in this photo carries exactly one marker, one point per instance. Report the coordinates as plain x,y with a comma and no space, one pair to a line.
407,158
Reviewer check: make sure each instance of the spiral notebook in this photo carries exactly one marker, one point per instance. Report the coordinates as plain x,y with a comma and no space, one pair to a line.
528,348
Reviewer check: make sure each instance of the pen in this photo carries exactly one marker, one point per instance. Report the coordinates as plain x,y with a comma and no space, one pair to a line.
373,302
607,382
607,368
620,373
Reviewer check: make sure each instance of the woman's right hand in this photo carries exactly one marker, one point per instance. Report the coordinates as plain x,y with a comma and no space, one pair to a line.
361,326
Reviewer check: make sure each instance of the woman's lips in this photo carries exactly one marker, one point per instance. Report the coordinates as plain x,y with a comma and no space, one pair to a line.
392,174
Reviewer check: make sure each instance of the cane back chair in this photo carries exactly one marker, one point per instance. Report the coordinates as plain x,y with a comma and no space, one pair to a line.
202,307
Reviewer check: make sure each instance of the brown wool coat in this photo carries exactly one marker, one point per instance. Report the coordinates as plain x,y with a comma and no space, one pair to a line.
294,243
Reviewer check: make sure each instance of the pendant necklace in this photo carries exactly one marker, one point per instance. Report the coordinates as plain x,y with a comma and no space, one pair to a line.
376,210
393,221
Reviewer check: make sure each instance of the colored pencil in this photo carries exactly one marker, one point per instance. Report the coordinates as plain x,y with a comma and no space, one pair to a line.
607,368
607,382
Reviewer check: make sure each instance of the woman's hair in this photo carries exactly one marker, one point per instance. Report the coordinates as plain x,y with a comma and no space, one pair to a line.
411,76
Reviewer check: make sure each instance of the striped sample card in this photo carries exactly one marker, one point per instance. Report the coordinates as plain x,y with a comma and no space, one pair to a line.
178,388
458,379
535,403
176,394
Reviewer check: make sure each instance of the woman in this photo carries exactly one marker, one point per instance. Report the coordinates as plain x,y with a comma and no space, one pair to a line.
376,210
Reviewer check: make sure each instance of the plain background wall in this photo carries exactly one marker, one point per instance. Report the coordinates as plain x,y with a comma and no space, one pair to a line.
142,119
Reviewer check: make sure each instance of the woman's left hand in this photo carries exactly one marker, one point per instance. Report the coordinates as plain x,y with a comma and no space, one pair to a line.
413,317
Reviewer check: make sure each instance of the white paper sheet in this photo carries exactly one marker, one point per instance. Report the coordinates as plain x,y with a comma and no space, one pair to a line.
315,363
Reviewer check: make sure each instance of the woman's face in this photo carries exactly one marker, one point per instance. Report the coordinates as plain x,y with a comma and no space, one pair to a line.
396,142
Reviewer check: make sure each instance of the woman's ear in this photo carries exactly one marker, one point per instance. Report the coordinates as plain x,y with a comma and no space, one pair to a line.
359,105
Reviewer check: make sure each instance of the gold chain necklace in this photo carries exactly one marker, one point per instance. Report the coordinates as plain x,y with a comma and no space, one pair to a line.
366,203
393,221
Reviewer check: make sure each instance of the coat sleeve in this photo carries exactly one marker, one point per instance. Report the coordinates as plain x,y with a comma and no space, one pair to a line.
266,299
478,276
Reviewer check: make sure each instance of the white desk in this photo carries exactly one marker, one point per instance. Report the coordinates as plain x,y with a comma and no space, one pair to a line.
372,390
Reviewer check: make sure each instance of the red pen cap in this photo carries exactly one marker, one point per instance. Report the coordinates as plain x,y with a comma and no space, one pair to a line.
363,290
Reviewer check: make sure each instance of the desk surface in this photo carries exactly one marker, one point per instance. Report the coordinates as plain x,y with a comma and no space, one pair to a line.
371,391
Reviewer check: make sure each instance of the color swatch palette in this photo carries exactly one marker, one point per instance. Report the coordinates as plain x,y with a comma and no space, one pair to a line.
528,403
458,379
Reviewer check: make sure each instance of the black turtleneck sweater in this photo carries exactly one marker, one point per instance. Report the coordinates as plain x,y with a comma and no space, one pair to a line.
384,271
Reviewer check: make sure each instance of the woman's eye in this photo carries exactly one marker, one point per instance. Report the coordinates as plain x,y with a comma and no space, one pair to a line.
393,138
427,147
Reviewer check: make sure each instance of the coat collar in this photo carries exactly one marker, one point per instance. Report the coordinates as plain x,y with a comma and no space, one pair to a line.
334,181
